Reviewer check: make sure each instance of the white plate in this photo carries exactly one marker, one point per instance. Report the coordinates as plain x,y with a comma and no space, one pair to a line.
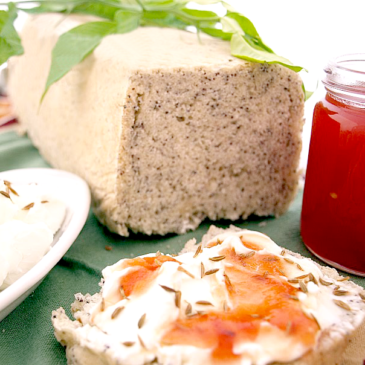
75,193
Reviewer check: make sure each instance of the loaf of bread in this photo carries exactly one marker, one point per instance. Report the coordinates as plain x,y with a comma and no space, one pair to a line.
236,298
165,129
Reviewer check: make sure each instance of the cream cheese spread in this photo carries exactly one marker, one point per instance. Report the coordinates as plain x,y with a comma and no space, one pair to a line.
29,218
137,316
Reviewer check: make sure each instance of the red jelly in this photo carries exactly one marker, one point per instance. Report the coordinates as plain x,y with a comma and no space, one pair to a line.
333,214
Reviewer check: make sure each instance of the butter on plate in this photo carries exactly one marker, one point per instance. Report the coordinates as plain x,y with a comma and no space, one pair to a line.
29,218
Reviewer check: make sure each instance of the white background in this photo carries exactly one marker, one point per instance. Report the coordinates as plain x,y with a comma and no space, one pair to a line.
308,33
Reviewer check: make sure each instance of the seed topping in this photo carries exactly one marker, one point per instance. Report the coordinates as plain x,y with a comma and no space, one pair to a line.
303,287
313,278
128,343
204,302
210,272
316,320
247,255
340,292
12,190
288,260
180,268
198,251
122,293
188,309
4,193
168,289
342,304
27,207
202,270
141,341
178,298
324,282
228,280
116,312
301,277
217,258
344,279
141,321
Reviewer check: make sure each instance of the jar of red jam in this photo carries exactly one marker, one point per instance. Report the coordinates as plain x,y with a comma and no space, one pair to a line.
333,214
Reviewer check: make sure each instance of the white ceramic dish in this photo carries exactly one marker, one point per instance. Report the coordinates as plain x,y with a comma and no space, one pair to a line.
75,193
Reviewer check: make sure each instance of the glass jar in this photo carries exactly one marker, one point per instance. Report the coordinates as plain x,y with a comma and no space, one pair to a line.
333,213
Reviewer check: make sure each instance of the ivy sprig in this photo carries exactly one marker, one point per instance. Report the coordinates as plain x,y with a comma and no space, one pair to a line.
123,16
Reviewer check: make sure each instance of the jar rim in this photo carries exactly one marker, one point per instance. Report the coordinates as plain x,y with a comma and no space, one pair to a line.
345,77
339,62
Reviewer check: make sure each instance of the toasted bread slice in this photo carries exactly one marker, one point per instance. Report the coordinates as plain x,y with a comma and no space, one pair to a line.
236,298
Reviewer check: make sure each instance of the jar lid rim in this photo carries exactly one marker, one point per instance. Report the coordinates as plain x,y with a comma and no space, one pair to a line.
339,61
346,73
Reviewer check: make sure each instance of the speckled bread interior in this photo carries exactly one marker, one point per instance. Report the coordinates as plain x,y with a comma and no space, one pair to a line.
166,130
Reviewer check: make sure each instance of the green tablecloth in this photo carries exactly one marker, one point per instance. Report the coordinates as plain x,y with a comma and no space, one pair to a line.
26,335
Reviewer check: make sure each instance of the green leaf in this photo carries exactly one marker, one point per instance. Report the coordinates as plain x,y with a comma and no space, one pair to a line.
10,44
163,19
49,7
155,5
217,33
240,48
126,15
308,94
212,28
98,9
131,5
199,2
244,23
205,2
229,7
231,26
199,15
126,21
73,46
236,21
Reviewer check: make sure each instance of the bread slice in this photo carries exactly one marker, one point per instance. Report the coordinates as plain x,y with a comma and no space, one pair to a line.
166,130
331,305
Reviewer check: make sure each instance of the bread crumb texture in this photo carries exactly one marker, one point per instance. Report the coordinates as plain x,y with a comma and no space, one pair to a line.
165,130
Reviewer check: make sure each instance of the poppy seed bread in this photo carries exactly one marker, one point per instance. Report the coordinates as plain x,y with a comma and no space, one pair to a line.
165,129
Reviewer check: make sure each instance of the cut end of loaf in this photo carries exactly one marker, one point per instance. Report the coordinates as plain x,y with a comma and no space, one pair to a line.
172,131
208,142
